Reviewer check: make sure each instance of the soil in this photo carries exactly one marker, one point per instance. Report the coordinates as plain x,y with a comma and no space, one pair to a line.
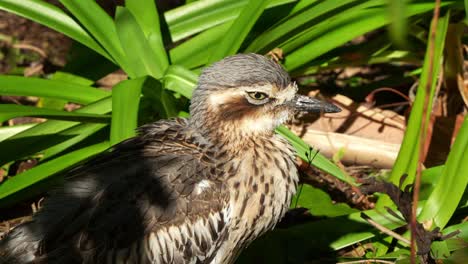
19,36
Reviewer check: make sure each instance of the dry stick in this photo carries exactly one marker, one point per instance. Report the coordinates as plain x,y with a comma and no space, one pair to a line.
384,229
367,261
423,132
30,47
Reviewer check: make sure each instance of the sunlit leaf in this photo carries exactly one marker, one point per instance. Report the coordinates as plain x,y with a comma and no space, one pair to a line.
125,101
239,29
21,86
9,111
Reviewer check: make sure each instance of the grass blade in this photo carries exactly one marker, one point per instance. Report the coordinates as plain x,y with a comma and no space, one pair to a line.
284,29
398,27
201,15
196,51
409,152
164,102
100,25
45,135
305,152
141,59
441,203
180,80
9,131
73,136
21,86
338,30
319,203
146,14
9,111
125,102
231,42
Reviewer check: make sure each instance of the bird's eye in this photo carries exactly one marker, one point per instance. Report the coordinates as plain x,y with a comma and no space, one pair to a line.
257,95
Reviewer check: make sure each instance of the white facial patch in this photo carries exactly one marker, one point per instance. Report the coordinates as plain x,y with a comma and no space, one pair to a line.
223,97
286,94
264,124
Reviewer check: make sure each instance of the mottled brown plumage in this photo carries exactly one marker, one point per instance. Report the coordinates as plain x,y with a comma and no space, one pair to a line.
195,190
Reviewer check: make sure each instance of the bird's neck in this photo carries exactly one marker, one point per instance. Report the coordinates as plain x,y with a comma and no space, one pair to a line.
232,138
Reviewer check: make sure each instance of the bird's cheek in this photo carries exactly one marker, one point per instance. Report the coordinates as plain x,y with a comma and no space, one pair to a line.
284,116
284,113
258,125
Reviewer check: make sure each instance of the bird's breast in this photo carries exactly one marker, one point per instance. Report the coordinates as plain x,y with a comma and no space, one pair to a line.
262,189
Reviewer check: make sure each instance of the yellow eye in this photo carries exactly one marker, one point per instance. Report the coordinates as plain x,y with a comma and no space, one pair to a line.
257,95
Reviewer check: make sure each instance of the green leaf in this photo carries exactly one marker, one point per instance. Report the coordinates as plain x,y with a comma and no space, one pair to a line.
459,241
125,102
8,131
197,50
305,152
409,152
285,28
198,16
47,169
302,4
180,80
330,21
303,242
238,31
466,12
72,78
45,135
398,27
9,111
164,102
146,14
141,59
439,250
49,103
192,18
21,86
351,238
53,17
442,204
339,29
100,25
319,202
72,136
59,104
429,179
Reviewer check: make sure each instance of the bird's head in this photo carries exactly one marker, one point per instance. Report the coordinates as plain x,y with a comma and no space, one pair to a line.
248,95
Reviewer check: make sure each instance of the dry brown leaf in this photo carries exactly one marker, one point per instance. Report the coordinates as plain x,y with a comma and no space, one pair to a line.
369,136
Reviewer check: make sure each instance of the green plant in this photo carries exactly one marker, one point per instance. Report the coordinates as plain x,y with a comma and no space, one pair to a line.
161,79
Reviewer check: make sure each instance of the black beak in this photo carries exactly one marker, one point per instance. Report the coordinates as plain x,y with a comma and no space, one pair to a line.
312,105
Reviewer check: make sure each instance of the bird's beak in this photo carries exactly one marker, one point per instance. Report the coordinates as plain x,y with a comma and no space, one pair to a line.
312,105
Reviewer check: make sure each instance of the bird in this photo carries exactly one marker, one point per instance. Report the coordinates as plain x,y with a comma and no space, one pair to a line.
183,190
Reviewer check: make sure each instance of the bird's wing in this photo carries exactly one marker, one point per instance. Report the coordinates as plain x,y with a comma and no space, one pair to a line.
134,201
